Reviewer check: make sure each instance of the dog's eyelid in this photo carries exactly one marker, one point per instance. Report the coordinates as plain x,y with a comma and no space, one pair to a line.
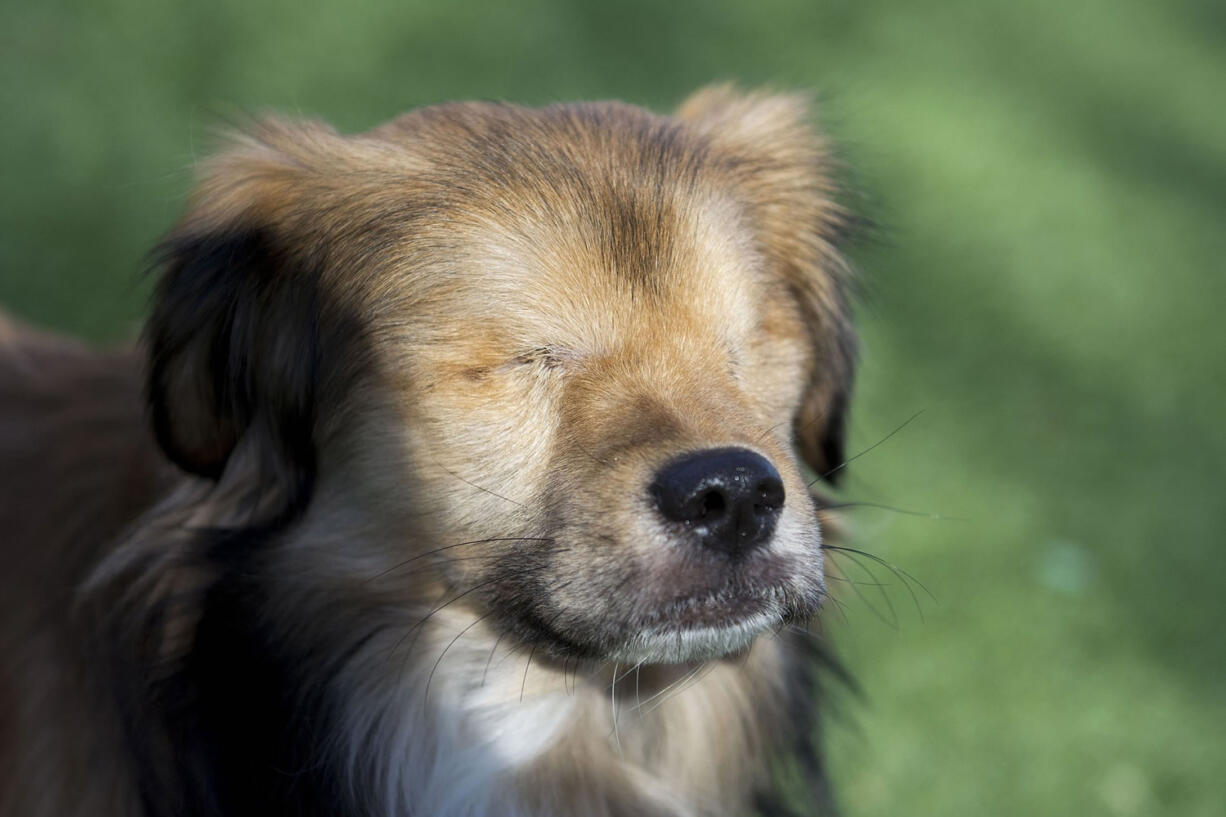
548,356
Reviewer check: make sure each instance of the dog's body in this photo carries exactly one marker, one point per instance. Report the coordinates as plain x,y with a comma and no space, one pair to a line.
473,490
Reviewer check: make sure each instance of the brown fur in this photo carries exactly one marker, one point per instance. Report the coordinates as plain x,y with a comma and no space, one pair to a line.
415,383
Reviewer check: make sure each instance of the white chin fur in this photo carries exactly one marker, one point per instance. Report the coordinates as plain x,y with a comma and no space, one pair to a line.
663,645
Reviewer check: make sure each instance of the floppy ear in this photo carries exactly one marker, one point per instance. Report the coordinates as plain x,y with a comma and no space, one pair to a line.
783,169
234,335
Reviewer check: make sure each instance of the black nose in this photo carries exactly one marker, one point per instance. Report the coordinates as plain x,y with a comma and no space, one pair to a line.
730,497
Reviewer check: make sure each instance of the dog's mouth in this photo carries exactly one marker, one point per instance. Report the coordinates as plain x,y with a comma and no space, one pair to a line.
707,626
698,627
714,609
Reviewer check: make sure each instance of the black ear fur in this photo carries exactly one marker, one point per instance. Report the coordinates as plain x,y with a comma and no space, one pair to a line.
821,425
233,344
833,441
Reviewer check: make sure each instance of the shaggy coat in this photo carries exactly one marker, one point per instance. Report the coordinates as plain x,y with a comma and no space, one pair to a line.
388,528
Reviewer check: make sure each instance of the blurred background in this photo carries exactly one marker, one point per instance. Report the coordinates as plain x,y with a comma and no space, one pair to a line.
1045,290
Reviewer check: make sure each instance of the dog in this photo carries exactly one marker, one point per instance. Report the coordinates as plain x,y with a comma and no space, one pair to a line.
463,469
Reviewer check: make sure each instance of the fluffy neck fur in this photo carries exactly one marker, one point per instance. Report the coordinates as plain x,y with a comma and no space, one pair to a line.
474,727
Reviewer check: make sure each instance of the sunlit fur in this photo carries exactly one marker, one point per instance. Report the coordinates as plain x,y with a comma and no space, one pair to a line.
388,547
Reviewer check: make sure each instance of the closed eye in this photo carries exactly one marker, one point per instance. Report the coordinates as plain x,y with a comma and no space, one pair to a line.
549,357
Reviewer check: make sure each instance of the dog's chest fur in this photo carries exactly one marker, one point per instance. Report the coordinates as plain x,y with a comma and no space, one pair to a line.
492,730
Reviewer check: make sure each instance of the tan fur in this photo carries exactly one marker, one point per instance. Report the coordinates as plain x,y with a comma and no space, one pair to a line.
453,352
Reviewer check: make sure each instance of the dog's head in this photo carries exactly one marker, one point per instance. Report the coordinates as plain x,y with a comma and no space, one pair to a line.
560,359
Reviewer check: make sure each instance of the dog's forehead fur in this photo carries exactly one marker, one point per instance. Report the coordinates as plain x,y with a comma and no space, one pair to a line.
571,226
550,282
633,193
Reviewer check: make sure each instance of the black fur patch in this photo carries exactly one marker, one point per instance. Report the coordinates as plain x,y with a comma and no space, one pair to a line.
234,345
802,784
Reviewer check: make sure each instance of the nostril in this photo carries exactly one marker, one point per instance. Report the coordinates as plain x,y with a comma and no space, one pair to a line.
769,495
713,504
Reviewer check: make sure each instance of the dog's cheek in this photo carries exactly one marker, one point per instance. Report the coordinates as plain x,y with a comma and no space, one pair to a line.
777,366
599,560
484,446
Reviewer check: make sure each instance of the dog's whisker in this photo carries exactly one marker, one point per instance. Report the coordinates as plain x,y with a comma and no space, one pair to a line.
589,454
501,576
417,627
837,506
905,577
807,425
515,649
771,430
860,582
527,666
626,674
490,540
450,644
676,688
689,674
489,660
839,607
479,487
852,459
637,698
892,619
617,738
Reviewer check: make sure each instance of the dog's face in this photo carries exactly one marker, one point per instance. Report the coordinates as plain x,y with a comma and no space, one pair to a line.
577,347
626,401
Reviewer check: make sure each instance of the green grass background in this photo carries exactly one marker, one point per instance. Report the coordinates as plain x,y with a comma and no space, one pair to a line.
1047,287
